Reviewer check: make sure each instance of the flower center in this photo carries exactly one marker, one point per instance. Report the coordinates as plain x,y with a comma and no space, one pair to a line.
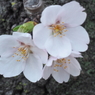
58,29
22,53
61,63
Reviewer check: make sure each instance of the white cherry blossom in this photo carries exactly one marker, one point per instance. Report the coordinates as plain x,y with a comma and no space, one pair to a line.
19,54
60,32
61,69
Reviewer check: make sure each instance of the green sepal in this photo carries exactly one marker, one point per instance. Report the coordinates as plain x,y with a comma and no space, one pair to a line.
26,27
16,28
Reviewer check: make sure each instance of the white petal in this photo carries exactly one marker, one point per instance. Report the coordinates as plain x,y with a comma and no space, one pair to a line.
7,44
2,65
10,67
33,69
60,75
43,56
21,34
47,72
72,14
23,38
40,35
73,66
50,61
49,14
76,54
79,38
58,47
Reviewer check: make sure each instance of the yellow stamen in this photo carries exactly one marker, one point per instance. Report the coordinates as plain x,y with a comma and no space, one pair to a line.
22,53
58,29
65,67
55,70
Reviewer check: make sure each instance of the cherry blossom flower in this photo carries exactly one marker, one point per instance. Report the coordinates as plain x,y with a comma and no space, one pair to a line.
19,54
60,32
61,69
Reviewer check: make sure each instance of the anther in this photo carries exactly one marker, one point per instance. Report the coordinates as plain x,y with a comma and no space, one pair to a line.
55,70
65,67
61,65
65,30
65,62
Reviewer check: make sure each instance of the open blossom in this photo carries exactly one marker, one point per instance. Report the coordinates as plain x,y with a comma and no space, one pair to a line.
60,32
61,69
19,54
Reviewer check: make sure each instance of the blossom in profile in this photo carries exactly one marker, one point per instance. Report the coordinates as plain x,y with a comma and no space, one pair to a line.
19,54
60,32
61,69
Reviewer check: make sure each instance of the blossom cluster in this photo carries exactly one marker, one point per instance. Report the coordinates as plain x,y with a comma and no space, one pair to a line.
56,43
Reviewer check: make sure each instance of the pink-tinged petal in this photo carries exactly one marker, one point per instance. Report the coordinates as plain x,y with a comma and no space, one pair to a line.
49,14
72,14
76,54
59,74
33,69
50,61
40,35
58,46
23,38
21,34
10,67
72,66
43,56
79,38
47,72
7,44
